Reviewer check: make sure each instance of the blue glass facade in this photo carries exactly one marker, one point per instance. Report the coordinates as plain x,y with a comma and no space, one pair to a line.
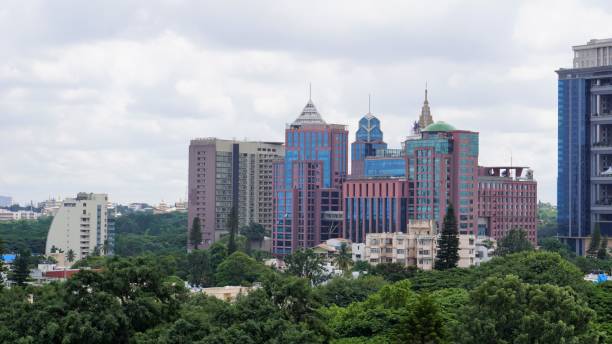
573,159
368,139
385,167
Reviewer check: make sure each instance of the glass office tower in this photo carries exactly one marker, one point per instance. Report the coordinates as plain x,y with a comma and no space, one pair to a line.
584,170
368,139
307,183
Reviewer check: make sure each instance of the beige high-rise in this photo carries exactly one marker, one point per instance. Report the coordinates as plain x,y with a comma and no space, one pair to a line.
227,172
81,224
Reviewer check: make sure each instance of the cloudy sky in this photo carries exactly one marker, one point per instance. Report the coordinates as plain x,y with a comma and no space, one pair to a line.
104,96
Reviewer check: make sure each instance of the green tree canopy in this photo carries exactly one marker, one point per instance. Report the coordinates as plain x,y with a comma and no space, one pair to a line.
514,241
506,310
238,269
306,264
448,242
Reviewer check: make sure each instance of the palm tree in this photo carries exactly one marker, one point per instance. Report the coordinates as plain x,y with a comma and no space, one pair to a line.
343,259
70,256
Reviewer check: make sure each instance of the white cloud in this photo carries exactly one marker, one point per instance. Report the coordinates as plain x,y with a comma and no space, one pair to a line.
109,105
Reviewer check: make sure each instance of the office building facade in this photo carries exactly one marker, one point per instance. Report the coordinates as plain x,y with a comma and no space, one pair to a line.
224,173
507,199
307,183
82,225
584,171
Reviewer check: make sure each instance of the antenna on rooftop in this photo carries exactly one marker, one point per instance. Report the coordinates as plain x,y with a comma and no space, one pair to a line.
310,91
369,103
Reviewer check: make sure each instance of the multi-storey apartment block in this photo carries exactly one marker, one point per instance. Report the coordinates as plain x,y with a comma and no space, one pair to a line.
227,173
84,225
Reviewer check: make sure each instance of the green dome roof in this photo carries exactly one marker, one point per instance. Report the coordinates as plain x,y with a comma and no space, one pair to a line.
439,126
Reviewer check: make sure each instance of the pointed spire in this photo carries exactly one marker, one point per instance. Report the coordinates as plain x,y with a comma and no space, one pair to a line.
425,119
310,114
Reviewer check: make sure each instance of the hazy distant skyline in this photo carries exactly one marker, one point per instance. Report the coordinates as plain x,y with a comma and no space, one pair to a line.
104,96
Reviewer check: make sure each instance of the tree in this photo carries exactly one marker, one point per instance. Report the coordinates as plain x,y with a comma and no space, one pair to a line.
393,272
344,258
506,310
70,255
232,227
1,263
196,233
555,245
306,264
595,241
602,253
514,241
343,291
238,269
21,268
200,272
254,232
425,325
448,243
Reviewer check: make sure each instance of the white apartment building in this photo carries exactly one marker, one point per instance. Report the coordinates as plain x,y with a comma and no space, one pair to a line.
417,247
81,225
7,215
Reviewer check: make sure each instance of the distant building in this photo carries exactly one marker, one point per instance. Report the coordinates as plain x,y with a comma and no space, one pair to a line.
228,293
7,215
50,206
507,199
584,146
6,201
81,225
307,183
417,247
223,173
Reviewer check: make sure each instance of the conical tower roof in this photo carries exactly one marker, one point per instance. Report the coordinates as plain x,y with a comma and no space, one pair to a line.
310,115
425,119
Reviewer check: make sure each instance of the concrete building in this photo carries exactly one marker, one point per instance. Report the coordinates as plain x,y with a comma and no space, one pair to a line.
7,215
307,183
417,247
584,171
6,201
228,293
507,199
223,173
81,225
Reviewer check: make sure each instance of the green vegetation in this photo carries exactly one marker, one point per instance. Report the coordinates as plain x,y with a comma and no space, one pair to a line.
547,221
140,233
448,244
515,241
525,297
25,235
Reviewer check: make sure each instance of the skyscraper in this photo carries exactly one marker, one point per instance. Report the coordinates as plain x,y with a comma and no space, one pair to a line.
584,171
307,182
368,138
223,173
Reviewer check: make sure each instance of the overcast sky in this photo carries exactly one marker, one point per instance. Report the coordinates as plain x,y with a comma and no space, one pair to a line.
104,96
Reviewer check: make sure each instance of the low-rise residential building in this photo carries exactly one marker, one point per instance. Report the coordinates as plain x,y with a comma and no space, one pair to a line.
228,293
7,215
417,247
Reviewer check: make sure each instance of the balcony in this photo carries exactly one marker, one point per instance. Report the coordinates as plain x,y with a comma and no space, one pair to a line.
602,146
602,205
602,118
601,89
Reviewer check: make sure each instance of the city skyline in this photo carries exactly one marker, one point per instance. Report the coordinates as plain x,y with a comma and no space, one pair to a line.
111,107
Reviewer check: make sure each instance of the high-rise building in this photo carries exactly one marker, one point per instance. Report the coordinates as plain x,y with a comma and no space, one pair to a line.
443,170
437,166
584,171
507,199
368,139
6,201
307,183
82,225
224,173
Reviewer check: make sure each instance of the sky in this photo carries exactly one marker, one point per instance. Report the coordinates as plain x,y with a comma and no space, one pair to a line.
104,96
